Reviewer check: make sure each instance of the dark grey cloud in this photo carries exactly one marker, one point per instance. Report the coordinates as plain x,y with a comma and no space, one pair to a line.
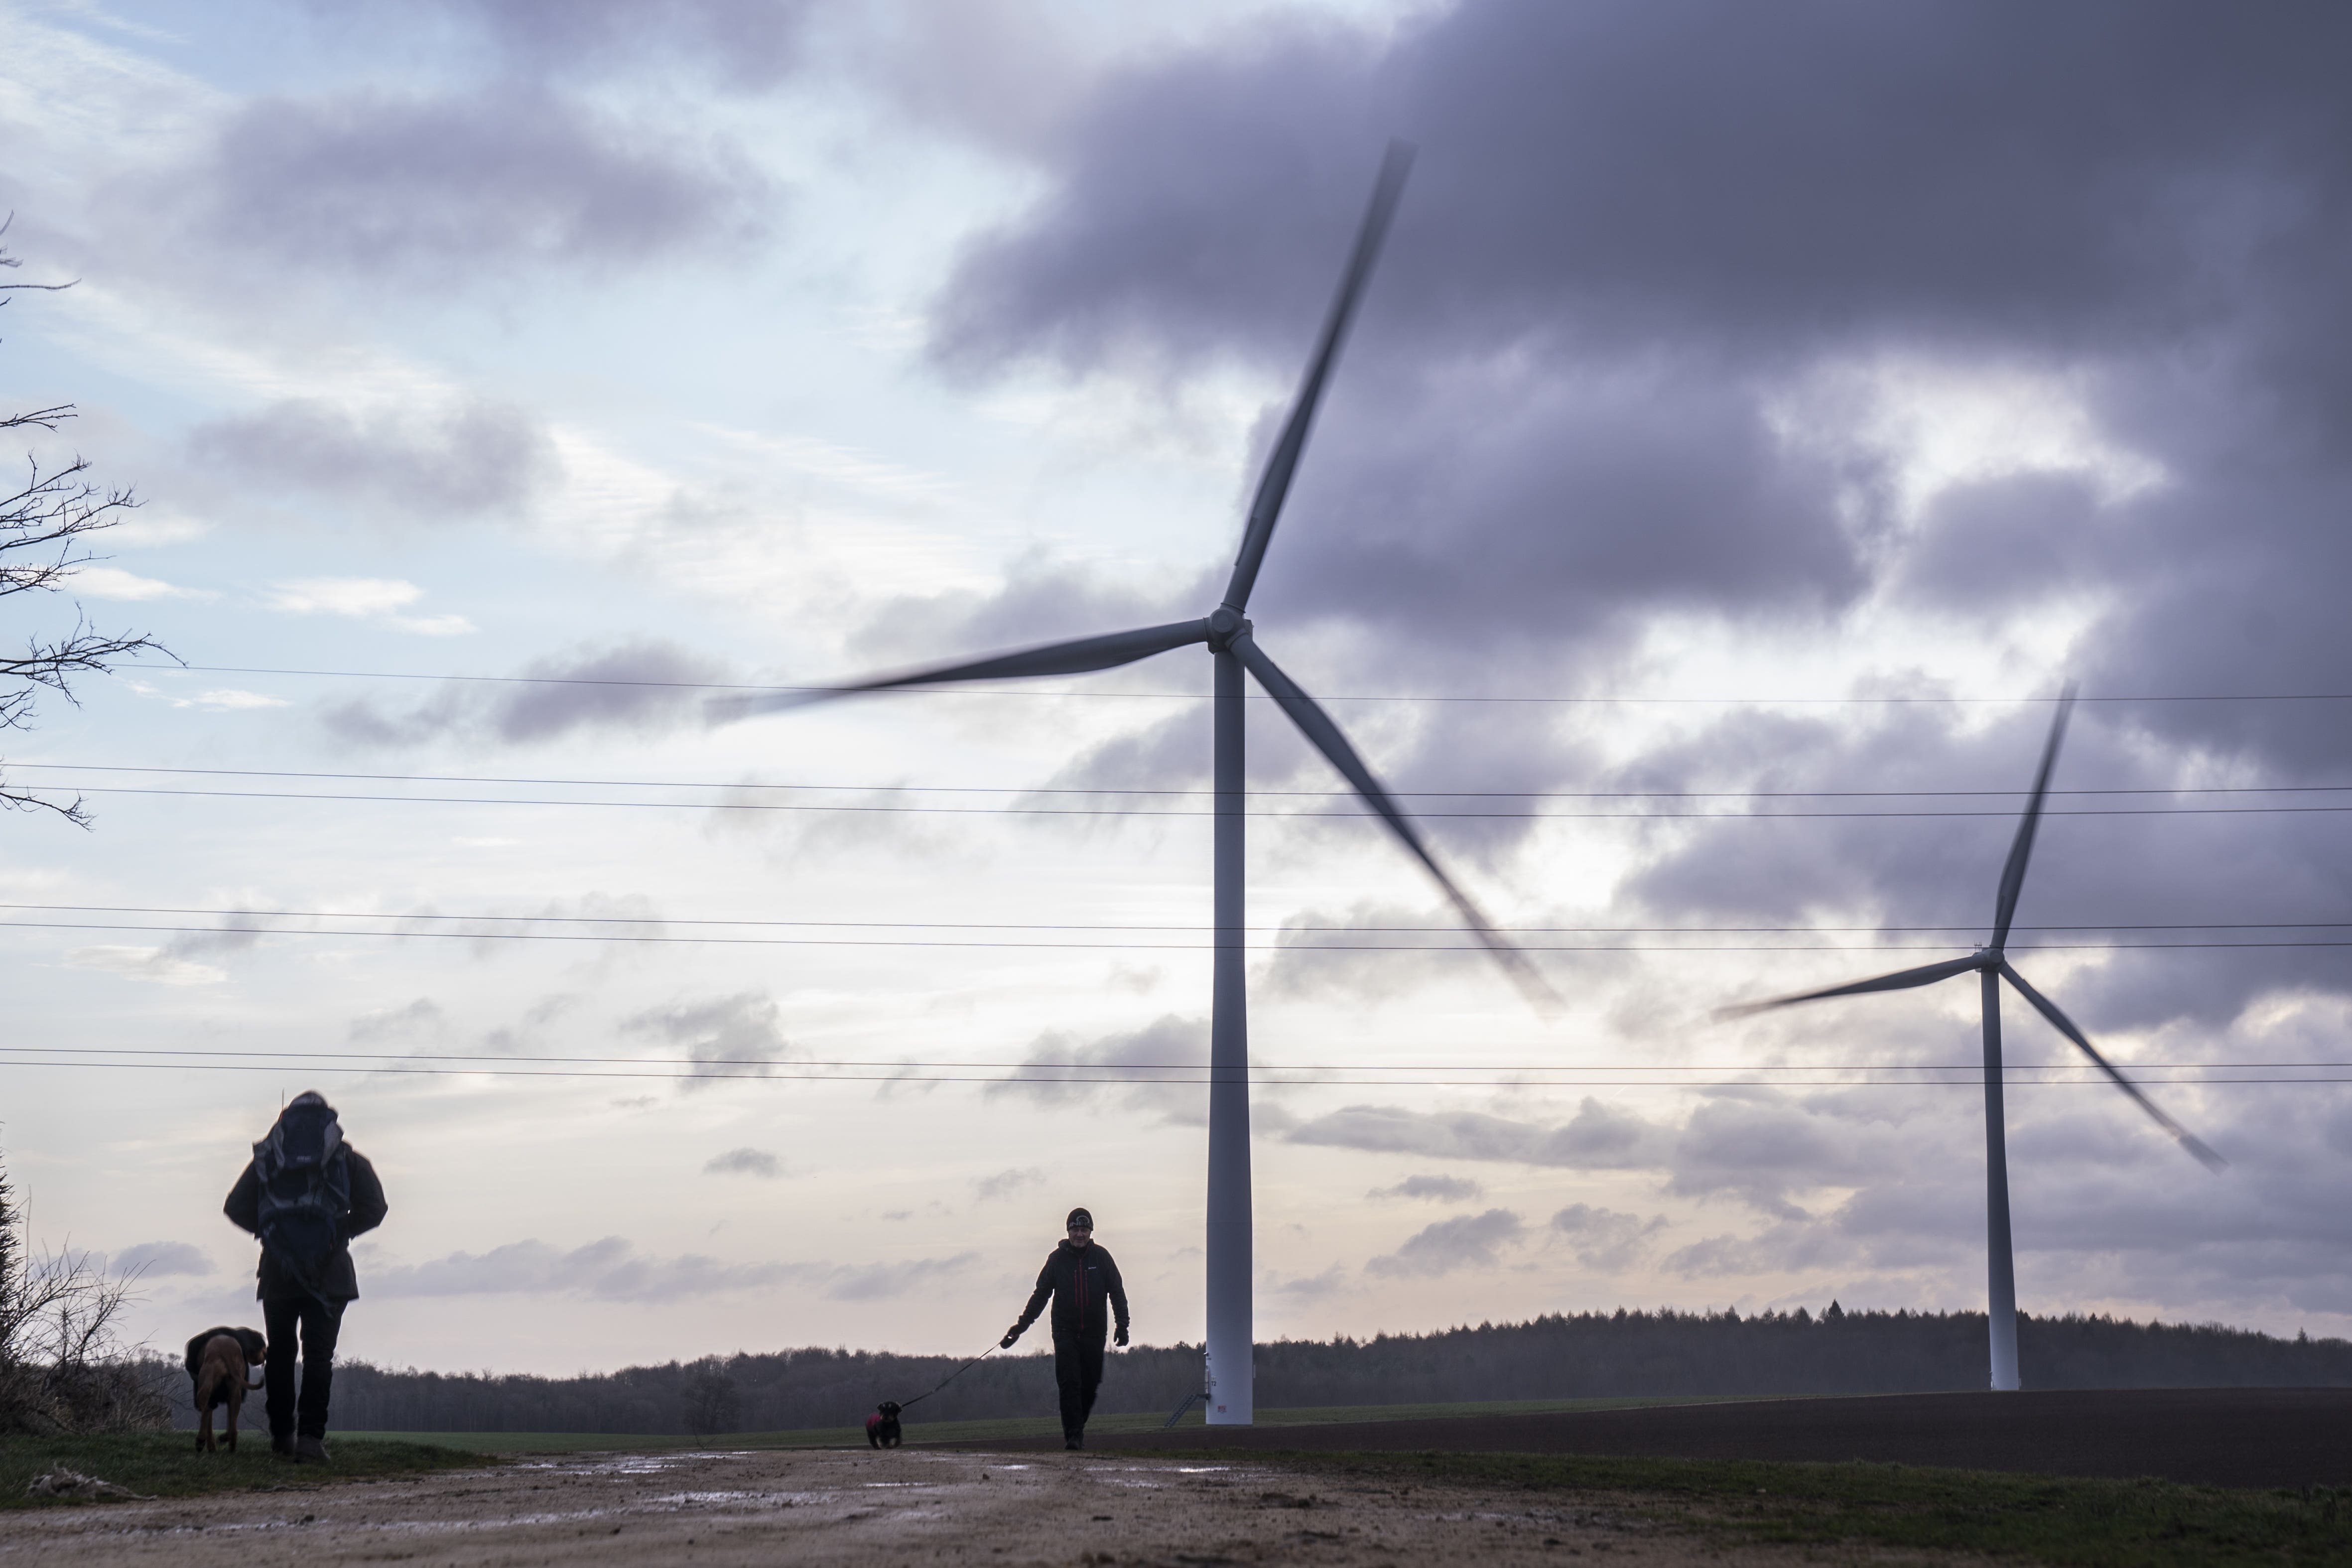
1043,600
745,1161
423,466
1465,1241
2101,863
880,1281
1632,172
1606,1239
1310,1287
741,1036
743,44
1374,952
1585,397
2103,1208
1787,1245
229,933
450,189
1368,954
1434,1189
1004,1183
1761,1148
643,686
639,684
611,1269
1061,1068
1597,1138
1172,753
1757,1146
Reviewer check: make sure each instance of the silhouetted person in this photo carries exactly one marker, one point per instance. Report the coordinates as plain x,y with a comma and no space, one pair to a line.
1085,1290
305,1193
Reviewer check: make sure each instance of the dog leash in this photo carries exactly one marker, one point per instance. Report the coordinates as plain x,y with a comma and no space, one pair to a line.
910,1404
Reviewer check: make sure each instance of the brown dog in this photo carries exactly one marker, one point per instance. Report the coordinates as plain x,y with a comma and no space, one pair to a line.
219,1362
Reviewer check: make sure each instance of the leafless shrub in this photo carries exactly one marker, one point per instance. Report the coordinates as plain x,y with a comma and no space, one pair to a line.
64,1367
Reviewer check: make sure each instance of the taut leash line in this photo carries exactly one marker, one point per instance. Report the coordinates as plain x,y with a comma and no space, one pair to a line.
910,1404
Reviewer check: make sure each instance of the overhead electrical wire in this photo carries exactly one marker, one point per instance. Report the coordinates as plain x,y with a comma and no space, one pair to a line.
868,808
750,1075
1030,1065
980,691
1158,926
1464,947
1186,793
1028,1069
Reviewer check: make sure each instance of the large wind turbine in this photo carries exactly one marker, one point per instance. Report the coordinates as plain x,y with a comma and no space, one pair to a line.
1992,966
1228,635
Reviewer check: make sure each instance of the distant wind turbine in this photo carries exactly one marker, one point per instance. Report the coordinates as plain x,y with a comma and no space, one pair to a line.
1229,636
1991,965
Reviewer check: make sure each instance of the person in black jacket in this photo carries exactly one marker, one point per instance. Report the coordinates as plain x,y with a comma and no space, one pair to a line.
305,1193
1086,1290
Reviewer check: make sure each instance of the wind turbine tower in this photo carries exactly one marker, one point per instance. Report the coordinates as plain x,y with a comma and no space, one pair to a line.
1992,965
1231,640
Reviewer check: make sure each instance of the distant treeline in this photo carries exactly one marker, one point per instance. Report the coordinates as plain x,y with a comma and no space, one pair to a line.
1556,1357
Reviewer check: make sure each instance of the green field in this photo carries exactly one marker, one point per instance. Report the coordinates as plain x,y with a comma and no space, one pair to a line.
1040,1427
166,1464
2080,1524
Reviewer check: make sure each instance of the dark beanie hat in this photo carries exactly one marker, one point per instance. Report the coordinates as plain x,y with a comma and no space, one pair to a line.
1079,1220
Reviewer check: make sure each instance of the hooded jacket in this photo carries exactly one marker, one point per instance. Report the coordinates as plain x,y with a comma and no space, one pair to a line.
336,1279
1086,1288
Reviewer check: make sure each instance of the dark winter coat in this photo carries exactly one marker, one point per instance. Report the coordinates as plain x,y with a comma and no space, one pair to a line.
1086,1288
340,1279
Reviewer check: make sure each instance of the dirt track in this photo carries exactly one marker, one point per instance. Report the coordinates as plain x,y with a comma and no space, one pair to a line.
819,1508
2211,1436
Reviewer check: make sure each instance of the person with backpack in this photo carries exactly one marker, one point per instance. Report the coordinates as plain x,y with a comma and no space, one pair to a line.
305,1193
1086,1288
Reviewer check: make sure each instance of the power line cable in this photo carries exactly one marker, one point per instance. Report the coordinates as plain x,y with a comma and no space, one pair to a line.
1121,1072
1466,946
1131,811
1188,792
1163,926
1032,691
752,1075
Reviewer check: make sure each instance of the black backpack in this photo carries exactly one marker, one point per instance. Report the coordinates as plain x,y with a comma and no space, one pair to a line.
306,1188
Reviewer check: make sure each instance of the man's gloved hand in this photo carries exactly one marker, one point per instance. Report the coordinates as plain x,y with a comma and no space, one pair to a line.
1011,1334
1120,1337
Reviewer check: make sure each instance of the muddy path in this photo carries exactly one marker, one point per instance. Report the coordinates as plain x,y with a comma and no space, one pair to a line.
834,1506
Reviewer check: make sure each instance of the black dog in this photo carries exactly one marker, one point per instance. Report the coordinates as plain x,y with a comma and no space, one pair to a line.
882,1426
225,1365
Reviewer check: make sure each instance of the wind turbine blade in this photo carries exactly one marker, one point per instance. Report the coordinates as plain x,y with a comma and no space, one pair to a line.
1275,483
2065,1026
1901,979
1076,658
2013,874
1318,728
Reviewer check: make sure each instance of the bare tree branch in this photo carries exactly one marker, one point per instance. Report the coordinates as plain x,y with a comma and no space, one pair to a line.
9,260
41,525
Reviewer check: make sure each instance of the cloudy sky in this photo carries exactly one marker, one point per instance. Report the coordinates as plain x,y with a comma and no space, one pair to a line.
1759,415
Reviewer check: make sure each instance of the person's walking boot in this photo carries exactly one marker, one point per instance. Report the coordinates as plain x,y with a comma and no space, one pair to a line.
309,1450
282,1445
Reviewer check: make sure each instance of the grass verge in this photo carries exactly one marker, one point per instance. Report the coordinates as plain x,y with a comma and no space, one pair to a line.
166,1464
2048,1519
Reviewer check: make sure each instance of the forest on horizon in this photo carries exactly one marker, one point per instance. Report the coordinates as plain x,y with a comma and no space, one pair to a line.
1561,1356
